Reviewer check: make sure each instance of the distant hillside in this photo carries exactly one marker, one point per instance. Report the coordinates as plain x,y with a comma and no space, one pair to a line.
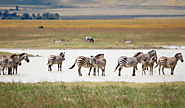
96,3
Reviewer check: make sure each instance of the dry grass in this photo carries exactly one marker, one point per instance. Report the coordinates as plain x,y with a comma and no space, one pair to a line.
106,33
97,24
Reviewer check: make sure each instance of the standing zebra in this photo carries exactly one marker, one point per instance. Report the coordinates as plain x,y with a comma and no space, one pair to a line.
52,59
171,62
18,59
7,62
129,62
148,63
148,56
85,62
99,62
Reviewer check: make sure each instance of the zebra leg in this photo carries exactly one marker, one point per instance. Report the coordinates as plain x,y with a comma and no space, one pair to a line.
103,71
58,67
79,71
134,71
3,70
94,71
61,67
136,68
159,68
163,70
172,70
120,70
98,71
90,71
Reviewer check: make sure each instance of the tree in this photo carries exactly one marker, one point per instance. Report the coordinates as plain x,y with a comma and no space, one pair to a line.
17,8
26,15
5,13
33,15
57,15
1,13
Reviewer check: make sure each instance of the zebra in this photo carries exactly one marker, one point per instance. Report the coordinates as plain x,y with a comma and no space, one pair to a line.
52,59
99,62
127,42
128,62
148,56
148,63
90,39
167,62
18,59
85,62
7,62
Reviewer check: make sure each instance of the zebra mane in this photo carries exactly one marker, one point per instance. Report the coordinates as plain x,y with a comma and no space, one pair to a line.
12,56
177,54
97,56
151,51
22,54
62,53
135,55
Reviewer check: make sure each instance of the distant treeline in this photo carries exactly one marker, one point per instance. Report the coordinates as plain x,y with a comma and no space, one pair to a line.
45,16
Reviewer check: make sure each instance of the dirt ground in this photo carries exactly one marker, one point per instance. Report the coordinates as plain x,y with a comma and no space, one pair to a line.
37,71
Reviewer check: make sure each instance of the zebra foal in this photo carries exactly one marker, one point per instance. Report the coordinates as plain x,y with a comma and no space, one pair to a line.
129,62
52,59
148,63
99,62
167,62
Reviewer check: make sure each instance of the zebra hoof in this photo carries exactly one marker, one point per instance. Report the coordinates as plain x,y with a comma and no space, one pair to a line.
133,74
171,73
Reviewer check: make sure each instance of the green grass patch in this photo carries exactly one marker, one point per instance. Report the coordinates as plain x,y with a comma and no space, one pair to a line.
93,94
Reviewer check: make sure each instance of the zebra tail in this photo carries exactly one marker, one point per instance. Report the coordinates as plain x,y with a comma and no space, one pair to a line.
157,64
116,67
73,65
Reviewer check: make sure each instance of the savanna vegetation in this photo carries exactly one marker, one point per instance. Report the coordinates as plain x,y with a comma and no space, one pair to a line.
106,33
93,94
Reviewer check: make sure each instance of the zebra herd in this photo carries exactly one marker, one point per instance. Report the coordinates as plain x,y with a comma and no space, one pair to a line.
99,62
12,62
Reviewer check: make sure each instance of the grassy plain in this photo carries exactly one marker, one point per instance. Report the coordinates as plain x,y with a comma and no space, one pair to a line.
106,33
93,94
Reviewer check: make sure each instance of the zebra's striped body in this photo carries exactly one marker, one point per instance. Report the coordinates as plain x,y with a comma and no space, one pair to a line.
129,62
18,59
148,63
148,56
99,62
171,62
85,62
82,61
52,59
7,62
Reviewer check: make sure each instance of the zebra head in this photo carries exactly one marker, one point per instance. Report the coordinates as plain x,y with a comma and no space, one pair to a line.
16,59
92,59
138,55
179,57
62,54
153,53
24,56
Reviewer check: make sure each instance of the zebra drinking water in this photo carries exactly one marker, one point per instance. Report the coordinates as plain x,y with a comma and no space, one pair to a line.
52,59
167,62
128,62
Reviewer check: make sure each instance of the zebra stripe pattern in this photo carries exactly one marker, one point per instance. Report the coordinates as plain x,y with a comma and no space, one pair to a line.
129,62
86,62
171,62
